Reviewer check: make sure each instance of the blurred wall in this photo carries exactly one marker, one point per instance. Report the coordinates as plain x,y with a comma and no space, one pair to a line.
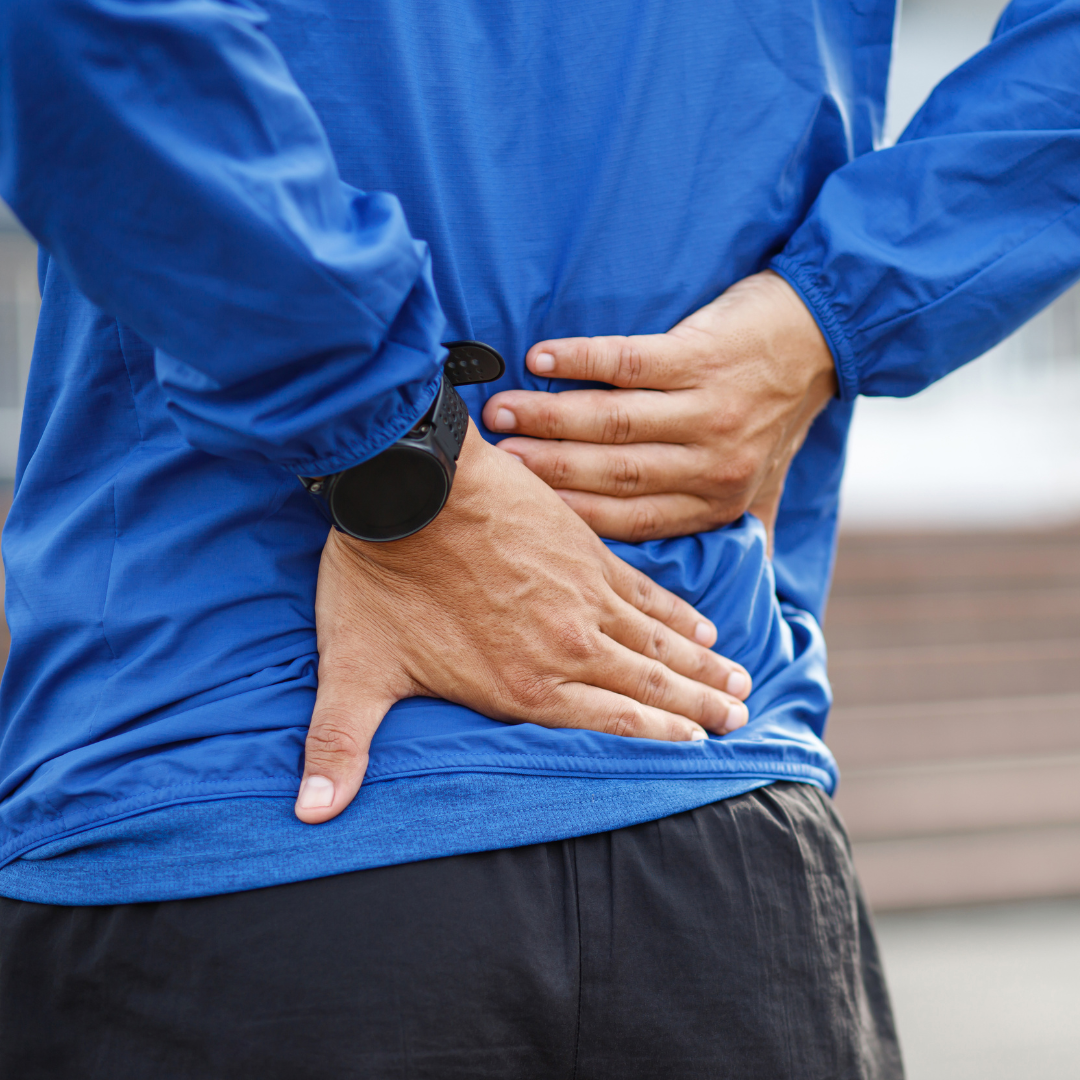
19,304
995,444
954,621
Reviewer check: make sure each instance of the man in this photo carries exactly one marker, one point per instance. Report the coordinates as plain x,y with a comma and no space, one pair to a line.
636,881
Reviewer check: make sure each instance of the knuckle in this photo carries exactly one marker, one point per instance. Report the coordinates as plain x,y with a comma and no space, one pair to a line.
623,720
714,473
629,364
652,684
678,731
642,592
548,419
616,428
645,522
576,642
560,470
723,510
719,426
706,666
529,690
592,358
740,471
330,742
626,475
659,647
707,706
596,358
732,475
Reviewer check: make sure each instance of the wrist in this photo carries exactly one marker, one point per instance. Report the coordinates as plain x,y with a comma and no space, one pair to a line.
402,490
467,505
803,341
470,497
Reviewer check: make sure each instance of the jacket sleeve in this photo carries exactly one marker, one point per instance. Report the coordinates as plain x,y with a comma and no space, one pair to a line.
163,155
920,257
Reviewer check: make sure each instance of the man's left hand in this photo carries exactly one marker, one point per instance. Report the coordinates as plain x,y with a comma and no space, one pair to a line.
701,427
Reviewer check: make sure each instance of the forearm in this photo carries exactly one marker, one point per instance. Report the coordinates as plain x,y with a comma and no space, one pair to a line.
163,155
920,257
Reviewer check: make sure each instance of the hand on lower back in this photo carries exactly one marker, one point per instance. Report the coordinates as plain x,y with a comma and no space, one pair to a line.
701,427
509,604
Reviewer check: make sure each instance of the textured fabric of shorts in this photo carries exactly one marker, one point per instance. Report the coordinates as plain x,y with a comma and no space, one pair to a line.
730,941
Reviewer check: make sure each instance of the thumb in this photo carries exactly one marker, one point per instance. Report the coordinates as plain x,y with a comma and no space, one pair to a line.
339,738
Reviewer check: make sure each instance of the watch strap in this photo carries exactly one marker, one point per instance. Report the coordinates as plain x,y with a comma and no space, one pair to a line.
367,501
446,423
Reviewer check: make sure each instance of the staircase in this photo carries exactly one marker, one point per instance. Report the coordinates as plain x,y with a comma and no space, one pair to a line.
955,661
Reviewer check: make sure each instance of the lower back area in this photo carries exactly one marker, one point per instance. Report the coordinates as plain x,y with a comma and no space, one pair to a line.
184,702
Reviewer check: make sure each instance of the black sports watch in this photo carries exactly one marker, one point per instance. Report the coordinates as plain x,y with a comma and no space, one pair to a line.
398,492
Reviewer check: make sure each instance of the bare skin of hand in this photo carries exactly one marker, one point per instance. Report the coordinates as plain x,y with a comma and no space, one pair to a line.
509,604
701,427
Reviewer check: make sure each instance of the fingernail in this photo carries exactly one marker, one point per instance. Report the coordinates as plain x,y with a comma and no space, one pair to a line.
505,420
698,735
704,633
316,792
738,684
544,363
737,716
516,457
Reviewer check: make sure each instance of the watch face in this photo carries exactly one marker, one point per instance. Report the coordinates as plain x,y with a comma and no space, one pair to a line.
393,495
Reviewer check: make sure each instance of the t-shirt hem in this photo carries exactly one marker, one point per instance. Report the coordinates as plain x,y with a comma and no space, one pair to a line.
407,768
188,849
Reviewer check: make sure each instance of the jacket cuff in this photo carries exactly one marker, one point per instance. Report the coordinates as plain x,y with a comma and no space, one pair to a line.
802,280
400,420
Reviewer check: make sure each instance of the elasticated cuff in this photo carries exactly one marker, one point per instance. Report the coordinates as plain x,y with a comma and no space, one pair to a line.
801,279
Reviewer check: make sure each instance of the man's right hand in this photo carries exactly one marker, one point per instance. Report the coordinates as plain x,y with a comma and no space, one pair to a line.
507,603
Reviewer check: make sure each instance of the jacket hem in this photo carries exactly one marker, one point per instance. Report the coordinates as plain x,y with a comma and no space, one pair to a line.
287,787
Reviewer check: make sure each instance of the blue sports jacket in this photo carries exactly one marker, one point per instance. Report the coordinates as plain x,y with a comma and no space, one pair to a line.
257,222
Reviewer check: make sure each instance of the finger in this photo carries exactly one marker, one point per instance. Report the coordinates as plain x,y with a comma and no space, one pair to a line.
640,469
596,416
653,639
591,708
642,593
651,683
644,517
337,746
651,361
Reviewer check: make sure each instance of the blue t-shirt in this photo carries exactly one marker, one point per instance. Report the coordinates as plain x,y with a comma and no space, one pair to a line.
230,297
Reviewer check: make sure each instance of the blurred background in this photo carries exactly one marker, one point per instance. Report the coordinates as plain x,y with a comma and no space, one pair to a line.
954,639
954,636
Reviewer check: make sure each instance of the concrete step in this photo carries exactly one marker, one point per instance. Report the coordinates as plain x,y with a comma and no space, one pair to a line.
883,736
1010,864
907,674
961,796
952,617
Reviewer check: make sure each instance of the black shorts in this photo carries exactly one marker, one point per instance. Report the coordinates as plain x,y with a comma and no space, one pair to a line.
726,942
